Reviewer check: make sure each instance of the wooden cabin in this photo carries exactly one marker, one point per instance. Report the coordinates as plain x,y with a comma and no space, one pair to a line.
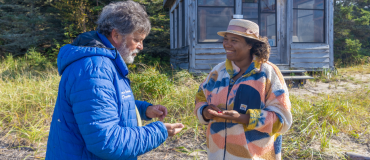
300,32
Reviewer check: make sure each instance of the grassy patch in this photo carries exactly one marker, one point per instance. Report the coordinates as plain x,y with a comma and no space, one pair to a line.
28,93
27,97
318,118
348,74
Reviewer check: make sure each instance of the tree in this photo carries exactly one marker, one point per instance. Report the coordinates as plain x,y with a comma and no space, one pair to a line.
351,30
25,24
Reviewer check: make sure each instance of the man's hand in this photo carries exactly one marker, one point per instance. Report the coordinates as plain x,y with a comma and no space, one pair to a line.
173,128
209,111
156,111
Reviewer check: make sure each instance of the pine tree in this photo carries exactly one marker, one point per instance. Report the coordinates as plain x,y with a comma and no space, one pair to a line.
25,24
351,31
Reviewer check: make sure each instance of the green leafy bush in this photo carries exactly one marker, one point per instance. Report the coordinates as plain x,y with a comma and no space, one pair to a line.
150,84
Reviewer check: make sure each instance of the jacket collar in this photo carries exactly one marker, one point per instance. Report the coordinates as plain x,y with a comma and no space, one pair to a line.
118,59
234,70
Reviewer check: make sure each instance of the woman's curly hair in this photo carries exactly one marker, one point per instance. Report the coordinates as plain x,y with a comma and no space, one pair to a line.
260,49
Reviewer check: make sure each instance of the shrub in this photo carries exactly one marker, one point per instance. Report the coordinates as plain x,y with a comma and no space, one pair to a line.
150,84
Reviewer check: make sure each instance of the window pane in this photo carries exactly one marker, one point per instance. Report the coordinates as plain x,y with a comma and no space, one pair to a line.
215,2
253,20
268,5
308,26
308,4
250,10
212,20
268,27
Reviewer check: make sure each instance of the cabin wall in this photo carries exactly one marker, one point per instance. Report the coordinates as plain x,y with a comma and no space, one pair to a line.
179,54
313,56
287,55
180,58
310,56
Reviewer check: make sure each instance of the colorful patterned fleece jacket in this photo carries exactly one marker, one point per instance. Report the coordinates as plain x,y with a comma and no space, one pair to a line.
260,92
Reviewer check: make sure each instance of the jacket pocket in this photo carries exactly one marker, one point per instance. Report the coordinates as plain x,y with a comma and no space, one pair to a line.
247,98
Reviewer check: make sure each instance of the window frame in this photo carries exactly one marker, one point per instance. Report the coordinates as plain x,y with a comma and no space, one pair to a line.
324,23
197,21
259,12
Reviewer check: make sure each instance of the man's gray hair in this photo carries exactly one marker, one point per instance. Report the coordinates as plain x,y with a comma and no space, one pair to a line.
127,17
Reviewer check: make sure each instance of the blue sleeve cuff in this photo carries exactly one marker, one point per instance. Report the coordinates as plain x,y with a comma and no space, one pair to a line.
201,109
142,106
200,115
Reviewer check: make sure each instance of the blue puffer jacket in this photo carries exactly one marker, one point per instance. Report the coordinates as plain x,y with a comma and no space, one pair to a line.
95,116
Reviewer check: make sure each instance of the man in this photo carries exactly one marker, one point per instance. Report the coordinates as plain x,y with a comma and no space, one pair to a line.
95,115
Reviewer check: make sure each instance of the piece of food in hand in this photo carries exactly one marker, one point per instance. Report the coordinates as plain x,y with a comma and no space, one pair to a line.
219,111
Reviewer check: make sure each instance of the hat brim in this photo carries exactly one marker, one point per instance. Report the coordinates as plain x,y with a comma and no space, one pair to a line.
222,34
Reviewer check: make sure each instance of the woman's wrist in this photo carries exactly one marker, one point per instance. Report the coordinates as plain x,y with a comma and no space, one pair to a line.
243,118
204,117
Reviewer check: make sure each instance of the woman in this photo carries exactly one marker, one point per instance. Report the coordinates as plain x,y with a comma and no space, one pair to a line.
244,100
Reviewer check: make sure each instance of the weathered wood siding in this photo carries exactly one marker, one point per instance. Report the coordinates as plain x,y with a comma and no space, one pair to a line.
192,30
208,55
180,58
310,56
274,55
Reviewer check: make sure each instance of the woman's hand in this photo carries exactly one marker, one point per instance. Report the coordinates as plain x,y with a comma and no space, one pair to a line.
208,112
232,115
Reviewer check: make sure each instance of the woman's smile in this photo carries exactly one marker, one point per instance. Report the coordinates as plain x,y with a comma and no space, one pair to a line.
230,52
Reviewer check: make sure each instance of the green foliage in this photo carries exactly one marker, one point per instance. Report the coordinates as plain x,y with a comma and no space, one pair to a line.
157,43
47,25
364,19
32,62
77,16
25,24
150,83
36,61
351,32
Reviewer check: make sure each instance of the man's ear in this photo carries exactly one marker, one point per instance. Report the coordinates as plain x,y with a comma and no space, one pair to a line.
116,37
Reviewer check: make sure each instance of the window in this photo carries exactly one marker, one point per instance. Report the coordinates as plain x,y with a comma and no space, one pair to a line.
308,21
262,12
213,16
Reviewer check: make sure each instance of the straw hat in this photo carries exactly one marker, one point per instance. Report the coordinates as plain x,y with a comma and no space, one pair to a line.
243,28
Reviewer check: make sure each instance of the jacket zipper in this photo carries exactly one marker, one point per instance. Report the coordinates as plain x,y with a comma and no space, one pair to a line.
227,98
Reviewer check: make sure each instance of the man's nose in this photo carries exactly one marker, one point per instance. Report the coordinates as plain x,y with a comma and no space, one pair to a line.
140,46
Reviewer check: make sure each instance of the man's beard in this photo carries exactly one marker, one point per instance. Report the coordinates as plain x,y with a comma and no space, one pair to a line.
127,55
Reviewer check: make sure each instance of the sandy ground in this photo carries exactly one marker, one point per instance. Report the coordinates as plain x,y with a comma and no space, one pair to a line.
315,88
186,147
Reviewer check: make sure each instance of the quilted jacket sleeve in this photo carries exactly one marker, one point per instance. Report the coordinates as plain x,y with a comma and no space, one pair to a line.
142,106
93,99
200,103
276,116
